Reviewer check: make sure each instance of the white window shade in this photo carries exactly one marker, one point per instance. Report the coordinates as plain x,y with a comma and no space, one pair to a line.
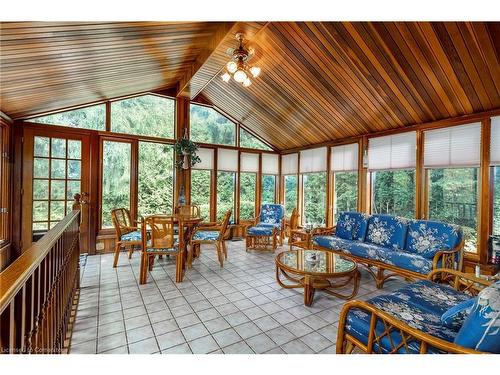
207,158
344,158
495,141
457,146
392,152
270,164
249,162
227,160
313,160
289,164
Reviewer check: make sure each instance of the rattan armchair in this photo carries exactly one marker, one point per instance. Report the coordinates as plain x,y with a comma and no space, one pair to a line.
128,236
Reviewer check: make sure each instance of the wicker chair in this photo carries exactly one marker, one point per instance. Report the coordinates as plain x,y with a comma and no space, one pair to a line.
128,236
211,235
268,227
188,209
162,242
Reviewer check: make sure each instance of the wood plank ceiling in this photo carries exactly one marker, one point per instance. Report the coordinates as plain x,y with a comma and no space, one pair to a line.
46,65
325,81
320,81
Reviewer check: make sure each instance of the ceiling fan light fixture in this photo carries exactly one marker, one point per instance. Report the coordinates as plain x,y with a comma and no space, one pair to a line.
238,67
231,67
247,82
255,70
240,76
226,77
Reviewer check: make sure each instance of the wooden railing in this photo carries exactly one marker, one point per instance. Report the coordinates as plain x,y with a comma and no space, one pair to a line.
39,290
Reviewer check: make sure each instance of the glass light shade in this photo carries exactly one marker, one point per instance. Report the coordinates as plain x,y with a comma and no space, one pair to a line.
226,77
255,70
231,67
247,82
240,76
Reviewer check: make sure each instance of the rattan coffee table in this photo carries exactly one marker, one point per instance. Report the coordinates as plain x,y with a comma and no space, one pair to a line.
316,269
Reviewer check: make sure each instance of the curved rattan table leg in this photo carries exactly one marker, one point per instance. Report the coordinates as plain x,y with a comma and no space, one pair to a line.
286,286
356,276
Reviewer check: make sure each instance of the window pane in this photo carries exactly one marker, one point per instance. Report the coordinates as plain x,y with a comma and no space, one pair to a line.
144,115
41,168
249,141
40,210
247,195
58,148
314,198
346,192
58,168
40,189
73,188
268,188
57,189
84,118
225,193
496,200
200,191
57,210
209,126
115,179
290,193
394,192
156,177
41,146
74,149
453,199
74,169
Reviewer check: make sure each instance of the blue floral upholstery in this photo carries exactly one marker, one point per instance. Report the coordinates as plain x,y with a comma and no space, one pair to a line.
387,231
352,226
260,230
454,317
271,214
331,242
426,237
408,261
420,305
132,236
481,329
206,235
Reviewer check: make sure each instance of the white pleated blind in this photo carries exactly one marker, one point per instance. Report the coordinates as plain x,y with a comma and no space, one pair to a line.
249,162
207,158
344,158
495,141
392,152
270,164
456,146
227,160
313,160
289,164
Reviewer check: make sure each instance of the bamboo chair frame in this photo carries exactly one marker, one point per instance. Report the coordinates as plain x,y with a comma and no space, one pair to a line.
259,242
347,344
188,210
220,244
123,225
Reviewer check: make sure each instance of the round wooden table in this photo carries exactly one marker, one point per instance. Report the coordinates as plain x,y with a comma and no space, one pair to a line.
316,269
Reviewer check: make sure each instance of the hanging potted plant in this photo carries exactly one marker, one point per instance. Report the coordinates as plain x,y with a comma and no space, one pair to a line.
186,153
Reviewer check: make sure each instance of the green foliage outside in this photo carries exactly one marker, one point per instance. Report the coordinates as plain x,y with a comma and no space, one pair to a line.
346,192
247,195
249,141
314,198
209,126
268,189
93,118
149,115
496,201
200,191
394,193
290,194
225,193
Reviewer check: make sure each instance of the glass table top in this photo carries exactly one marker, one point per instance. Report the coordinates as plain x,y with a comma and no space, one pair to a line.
315,261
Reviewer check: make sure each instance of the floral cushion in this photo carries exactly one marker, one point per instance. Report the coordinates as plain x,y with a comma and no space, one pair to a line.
352,226
428,237
454,317
206,235
388,231
271,213
270,225
260,230
408,261
481,329
131,236
331,242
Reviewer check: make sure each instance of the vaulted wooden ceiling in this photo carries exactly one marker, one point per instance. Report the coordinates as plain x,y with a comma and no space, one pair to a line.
320,81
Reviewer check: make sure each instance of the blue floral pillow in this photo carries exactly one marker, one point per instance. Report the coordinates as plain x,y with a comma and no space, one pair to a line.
352,226
455,316
481,329
387,231
426,237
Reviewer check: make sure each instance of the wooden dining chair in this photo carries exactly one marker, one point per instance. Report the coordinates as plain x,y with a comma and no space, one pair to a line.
210,235
128,236
188,209
294,222
162,241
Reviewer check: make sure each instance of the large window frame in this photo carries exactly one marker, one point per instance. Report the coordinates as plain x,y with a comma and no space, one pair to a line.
5,184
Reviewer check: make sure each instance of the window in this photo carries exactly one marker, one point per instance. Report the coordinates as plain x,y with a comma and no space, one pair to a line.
268,188
290,193
149,115
116,162
495,171
247,195
249,141
209,126
155,179
4,184
393,192
496,200
93,118
344,164
314,187
200,191
56,179
225,193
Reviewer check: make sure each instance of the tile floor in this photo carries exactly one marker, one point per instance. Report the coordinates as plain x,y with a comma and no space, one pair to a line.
236,309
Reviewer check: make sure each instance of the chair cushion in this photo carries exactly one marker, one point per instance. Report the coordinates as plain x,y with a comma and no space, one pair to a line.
206,235
271,213
481,329
331,242
131,236
261,230
454,317
366,250
426,237
408,261
352,226
271,225
388,231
